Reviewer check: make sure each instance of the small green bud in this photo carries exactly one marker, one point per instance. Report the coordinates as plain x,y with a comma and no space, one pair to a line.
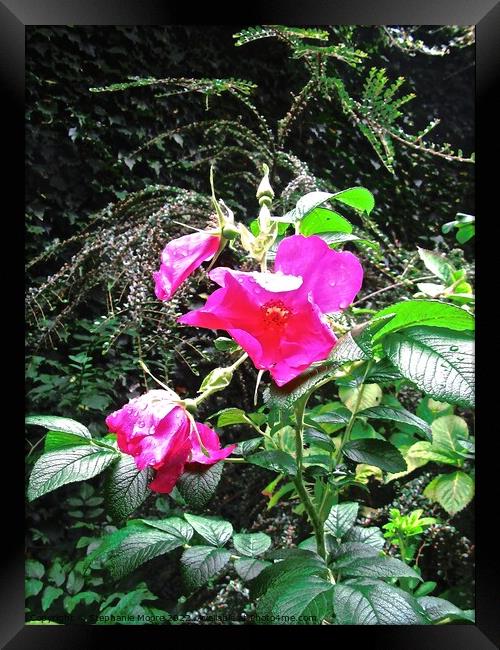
230,232
217,379
265,191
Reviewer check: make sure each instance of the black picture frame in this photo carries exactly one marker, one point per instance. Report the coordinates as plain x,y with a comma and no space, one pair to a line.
485,15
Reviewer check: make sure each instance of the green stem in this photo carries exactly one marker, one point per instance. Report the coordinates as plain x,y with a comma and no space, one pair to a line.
299,481
352,419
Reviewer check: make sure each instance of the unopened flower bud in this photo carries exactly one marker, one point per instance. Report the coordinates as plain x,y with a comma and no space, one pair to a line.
265,192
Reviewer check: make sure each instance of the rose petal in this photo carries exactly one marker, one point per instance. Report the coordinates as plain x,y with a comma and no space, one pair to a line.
332,277
211,443
180,258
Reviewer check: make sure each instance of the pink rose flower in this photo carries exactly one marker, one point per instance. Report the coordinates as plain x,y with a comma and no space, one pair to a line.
158,433
180,258
278,318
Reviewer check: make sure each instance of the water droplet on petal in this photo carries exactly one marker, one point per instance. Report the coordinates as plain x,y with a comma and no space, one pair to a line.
343,304
333,283
141,424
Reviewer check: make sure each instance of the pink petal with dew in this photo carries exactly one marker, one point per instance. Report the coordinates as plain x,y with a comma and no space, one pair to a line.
169,444
180,258
333,277
211,442
139,418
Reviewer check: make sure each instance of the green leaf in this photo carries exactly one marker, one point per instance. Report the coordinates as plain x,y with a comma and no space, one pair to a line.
138,548
424,312
447,432
198,484
318,439
424,450
56,423
464,233
250,568
225,344
437,265
246,447
50,594
431,289
323,220
284,489
425,588
429,409
297,563
337,415
372,602
452,491
374,567
231,416
278,461
379,453
55,440
32,587
126,487
397,415
296,601
348,551
308,203
58,468
216,531
357,197
251,544
439,608
341,519
371,394
34,569
86,597
75,582
366,535
362,430
109,543
56,573
200,563
335,238
174,526
438,361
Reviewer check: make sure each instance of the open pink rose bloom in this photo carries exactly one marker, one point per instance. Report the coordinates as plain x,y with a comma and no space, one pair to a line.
158,433
180,258
278,318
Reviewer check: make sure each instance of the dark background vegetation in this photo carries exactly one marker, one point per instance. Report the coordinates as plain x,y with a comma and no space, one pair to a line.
78,160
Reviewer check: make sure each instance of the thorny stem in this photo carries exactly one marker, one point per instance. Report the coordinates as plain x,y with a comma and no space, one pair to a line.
299,482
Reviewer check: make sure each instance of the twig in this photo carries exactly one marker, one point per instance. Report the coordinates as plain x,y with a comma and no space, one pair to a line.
391,286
